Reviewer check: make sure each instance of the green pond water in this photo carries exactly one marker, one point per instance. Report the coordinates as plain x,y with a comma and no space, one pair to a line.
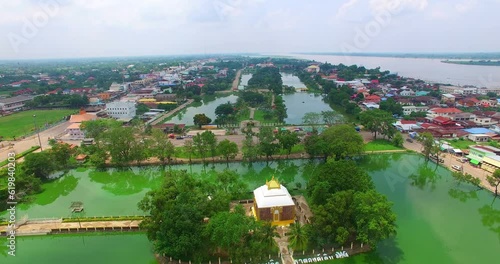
82,249
438,220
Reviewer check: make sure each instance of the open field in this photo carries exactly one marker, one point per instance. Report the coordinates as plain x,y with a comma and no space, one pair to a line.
259,116
22,123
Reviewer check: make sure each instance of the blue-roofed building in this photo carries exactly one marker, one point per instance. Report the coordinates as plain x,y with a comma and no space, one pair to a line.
478,130
421,93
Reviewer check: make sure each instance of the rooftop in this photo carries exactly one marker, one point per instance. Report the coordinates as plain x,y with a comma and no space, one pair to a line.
272,194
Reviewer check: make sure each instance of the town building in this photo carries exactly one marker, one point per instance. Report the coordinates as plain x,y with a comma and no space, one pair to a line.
407,110
73,130
121,110
273,203
15,103
491,163
478,153
448,98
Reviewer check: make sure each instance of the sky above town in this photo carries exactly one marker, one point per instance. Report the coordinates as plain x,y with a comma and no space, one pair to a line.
105,28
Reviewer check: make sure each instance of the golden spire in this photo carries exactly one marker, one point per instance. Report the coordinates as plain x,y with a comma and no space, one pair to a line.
273,184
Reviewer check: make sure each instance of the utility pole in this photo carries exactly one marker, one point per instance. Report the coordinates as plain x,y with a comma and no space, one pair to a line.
38,132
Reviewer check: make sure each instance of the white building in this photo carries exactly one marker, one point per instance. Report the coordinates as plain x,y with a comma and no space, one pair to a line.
407,110
121,110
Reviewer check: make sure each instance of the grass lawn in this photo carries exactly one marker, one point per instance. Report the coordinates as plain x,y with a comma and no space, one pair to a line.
380,144
259,116
461,144
22,123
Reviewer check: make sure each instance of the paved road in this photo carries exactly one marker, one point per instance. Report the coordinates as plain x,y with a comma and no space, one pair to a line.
172,112
450,159
236,81
26,143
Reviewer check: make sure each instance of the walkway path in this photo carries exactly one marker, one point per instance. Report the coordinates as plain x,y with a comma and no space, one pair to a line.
170,113
252,113
52,226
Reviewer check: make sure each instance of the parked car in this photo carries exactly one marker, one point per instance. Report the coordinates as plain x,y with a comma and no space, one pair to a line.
462,160
456,167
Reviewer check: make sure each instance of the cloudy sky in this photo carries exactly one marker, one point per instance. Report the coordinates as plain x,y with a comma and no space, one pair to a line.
97,28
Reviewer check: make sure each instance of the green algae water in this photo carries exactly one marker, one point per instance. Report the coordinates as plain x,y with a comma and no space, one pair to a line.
82,249
438,220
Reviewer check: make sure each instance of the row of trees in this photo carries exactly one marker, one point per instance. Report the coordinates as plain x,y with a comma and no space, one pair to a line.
59,100
190,220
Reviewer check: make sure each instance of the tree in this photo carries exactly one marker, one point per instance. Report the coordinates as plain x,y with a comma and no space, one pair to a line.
249,149
378,121
287,140
162,148
398,140
141,109
314,145
312,119
428,144
267,146
335,176
390,105
189,148
201,120
121,144
332,118
227,149
176,210
200,146
373,216
494,180
210,141
95,128
224,112
298,237
491,95
341,141
39,164
60,152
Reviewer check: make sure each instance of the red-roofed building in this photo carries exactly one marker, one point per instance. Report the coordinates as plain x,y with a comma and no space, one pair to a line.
443,121
435,112
372,99
81,91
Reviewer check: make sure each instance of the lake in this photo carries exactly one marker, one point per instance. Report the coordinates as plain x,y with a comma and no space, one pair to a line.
432,70
292,80
438,220
244,81
207,107
299,103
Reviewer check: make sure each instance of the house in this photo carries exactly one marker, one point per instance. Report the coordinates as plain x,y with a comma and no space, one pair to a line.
273,203
485,121
478,137
15,103
406,125
372,99
469,102
81,91
435,112
443,121
406,92
169,127
124,111
81,158
448,99
83,116
313,69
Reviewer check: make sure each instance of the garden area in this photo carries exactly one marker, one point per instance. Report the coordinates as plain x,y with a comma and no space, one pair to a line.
22,123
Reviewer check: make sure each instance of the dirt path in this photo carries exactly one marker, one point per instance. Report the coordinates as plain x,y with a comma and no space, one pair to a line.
236,81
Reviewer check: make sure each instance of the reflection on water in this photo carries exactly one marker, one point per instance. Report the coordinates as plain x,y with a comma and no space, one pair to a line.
425,176
207,107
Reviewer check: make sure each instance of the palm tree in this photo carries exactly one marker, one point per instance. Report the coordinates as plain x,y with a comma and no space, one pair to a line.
298,239
268,232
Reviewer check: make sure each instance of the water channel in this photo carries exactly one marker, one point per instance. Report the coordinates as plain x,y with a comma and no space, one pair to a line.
438,220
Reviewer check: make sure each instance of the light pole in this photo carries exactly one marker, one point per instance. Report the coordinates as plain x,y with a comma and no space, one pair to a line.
38,132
